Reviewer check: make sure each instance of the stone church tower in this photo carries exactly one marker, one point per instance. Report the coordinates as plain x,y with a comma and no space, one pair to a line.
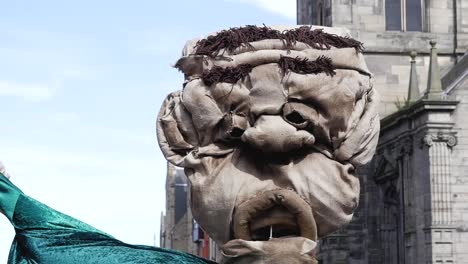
390,30
414,194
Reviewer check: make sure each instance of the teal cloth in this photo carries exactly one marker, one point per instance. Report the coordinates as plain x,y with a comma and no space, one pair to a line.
46,236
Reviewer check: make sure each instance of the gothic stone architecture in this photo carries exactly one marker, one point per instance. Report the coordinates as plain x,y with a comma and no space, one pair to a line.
414,194
178,228
390,32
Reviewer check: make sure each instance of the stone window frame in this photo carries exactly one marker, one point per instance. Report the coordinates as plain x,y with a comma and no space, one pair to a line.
403,16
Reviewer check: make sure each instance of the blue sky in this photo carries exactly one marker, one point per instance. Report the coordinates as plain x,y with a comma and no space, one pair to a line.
81,83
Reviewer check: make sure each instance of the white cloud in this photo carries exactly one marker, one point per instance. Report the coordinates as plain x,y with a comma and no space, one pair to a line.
29,91
286,8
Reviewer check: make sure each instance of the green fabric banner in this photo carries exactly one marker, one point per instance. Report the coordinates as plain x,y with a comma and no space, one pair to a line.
46,236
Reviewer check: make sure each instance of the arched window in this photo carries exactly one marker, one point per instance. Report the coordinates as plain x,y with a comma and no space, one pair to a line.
404,15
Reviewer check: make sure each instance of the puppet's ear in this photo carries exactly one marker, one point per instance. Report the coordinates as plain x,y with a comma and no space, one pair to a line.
359,147
190,65
176,133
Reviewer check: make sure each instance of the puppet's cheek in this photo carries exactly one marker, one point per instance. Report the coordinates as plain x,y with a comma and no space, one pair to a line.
328,186
215,192
215,184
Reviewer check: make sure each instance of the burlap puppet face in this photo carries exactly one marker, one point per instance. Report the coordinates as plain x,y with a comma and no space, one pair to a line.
270,126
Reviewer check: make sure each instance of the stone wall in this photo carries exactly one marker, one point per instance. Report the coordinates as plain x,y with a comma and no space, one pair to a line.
167,218
391,76
177,231
307,12
369,15
177,234
387,51
462,18
408,201
459,180
312,11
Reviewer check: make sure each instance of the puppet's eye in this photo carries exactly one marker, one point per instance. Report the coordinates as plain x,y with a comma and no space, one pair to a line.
236,132
232,127
295,118
298,114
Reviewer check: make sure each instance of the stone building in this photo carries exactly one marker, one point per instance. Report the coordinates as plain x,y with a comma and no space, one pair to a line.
389,30
414,194
179,230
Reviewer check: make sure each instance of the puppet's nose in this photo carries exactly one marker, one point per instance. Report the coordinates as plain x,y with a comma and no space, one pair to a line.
272,134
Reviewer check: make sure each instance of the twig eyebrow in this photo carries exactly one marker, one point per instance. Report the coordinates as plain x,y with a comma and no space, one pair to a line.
305,66
297,65
242,36
228,75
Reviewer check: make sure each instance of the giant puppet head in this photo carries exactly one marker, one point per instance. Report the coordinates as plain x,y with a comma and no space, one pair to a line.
270,125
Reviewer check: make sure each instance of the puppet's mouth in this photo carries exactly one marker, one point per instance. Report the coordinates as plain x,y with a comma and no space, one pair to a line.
274,214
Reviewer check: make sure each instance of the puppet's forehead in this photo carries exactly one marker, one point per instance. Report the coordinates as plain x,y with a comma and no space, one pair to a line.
253,45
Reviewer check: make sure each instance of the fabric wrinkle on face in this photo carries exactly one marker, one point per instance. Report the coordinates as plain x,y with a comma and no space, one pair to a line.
266,95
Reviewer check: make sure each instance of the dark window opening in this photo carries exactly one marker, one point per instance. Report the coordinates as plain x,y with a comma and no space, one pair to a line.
393,15
413,15
320,16
403,15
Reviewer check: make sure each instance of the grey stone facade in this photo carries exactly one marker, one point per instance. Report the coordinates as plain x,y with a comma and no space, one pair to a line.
176,223
178,230
414,194
459,166
387,51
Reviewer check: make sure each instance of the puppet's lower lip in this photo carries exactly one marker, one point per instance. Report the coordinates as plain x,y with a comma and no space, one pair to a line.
274,213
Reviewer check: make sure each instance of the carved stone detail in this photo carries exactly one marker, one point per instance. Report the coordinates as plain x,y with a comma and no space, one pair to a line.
429,139
441,191
451,140
405,146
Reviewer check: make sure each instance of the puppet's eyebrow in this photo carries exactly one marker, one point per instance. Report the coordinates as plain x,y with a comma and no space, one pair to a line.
298,65
228,75
305,66
233,38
